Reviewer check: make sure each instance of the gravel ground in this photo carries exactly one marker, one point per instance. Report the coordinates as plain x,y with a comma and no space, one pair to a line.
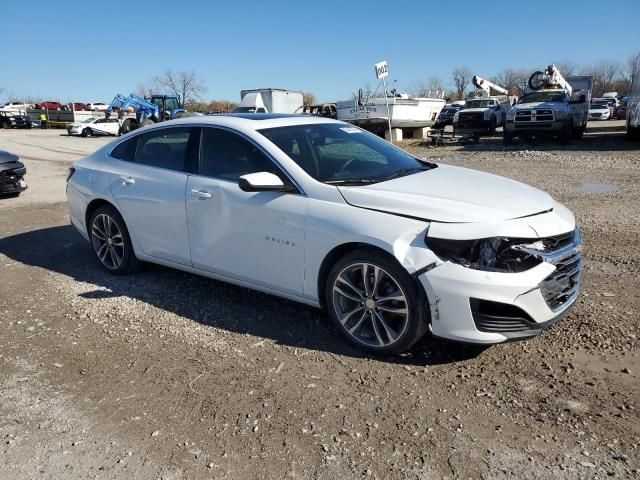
167,375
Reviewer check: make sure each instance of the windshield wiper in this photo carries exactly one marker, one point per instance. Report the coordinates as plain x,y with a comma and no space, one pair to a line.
352,181
404,171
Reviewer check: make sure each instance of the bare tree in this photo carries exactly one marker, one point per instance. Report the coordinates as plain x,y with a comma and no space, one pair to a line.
308,98
567,67
143,90
185,84
461,79
222,106
605,74
515,81
423,88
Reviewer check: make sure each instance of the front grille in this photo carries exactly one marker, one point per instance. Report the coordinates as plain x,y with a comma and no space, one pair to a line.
562,251
471,115
562,285
542,115
495,317
596,115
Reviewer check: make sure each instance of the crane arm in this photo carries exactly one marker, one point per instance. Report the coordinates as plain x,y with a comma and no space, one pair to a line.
555,78
487,86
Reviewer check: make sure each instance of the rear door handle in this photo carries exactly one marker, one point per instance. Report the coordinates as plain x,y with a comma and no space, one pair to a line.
127,180
200,194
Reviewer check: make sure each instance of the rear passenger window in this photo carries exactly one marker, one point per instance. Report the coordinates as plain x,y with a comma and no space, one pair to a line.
228,156
126,150
164,148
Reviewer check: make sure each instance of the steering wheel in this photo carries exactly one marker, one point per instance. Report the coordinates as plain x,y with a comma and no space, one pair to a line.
347,163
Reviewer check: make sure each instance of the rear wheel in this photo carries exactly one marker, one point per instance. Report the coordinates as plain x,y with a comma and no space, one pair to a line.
375,303
111,242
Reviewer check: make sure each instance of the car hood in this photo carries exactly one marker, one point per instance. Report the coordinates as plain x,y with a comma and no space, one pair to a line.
550,105
6,157
451,194
473,110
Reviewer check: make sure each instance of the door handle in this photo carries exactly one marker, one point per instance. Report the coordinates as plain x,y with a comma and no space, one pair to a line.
201,194
127,180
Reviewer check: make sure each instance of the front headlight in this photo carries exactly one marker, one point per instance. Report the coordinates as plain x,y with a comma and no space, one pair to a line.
456,116
495,254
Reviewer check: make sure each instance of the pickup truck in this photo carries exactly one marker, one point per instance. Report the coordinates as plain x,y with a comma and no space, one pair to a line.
551,112
481,115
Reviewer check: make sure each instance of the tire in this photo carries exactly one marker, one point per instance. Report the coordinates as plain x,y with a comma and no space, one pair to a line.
146,122
382,327
633,133
566,134
111,241
493,126
87,132
507,138
5,125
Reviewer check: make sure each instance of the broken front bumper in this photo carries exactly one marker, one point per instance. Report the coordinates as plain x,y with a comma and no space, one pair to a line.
12,178
490,307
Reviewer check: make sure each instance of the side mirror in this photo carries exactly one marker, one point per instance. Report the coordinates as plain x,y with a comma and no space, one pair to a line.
581,99
260,182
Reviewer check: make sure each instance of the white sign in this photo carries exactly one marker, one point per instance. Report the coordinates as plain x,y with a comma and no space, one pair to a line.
382,70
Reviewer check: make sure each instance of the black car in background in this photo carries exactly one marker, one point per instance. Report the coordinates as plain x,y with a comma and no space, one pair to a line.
445,117
12,172
13,120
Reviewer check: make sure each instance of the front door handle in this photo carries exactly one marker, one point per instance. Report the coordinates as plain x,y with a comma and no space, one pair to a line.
127,180
200,194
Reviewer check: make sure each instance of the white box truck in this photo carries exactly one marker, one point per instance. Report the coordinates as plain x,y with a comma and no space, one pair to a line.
270,100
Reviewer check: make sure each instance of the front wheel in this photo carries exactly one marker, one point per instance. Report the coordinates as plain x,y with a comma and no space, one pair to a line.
111,242
507,138
375,303
87,132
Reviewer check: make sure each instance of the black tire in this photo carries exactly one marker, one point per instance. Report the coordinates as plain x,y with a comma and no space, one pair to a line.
493,126
633,133
5,124
566,134
411,327
128,261
507,138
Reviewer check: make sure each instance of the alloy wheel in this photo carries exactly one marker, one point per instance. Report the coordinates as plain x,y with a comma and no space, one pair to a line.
107,241
370,305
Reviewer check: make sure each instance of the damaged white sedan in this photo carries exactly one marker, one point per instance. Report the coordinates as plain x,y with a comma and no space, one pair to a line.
324,213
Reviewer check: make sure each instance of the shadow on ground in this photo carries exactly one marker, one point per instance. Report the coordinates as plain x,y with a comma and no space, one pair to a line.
209,302
598,137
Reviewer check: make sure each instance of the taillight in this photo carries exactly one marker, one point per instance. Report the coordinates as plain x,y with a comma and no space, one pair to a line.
70,173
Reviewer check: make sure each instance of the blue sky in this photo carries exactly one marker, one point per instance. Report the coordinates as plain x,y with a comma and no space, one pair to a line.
89,51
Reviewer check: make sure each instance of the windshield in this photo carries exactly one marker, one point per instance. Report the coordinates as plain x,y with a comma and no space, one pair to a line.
449,111
478,104
599,106
343,154
553,97
89,120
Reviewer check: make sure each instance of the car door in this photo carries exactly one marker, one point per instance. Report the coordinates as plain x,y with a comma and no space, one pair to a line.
256,237
149,188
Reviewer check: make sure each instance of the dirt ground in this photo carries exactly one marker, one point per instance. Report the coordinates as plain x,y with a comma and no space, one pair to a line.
163,374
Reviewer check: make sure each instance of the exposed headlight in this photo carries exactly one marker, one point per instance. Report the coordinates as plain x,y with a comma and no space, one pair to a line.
497,254
456,116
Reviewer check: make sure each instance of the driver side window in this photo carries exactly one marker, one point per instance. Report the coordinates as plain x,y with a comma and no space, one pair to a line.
228,156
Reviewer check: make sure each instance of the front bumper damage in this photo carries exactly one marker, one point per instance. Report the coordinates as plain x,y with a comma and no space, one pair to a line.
12,173
484,307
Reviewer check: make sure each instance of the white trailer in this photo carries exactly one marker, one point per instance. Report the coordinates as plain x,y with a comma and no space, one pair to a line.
270,100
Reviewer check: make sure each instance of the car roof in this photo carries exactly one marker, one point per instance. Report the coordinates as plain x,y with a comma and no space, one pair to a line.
250,121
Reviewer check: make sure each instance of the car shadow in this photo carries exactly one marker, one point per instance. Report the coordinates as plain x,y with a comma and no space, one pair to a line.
209,302
598,137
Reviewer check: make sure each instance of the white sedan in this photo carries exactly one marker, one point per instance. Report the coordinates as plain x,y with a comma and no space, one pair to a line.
321,212
599,112
95,126
96,106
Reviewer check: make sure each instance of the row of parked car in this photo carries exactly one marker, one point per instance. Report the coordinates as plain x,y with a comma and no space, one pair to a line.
608,108
15,120
49,105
